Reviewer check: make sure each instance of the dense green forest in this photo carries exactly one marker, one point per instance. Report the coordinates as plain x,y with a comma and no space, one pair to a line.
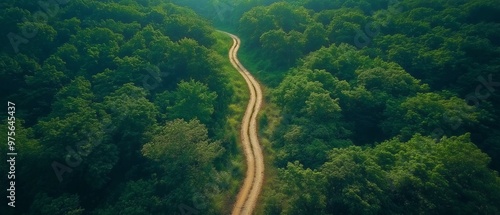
387,107
372,107
121,108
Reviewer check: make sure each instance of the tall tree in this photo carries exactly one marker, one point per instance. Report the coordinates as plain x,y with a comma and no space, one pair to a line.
192,100
183,156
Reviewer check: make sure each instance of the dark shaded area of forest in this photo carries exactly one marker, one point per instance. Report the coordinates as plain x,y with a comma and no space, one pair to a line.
388,107
385,106
120,108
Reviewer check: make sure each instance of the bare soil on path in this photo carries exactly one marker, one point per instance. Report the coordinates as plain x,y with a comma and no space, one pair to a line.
252,185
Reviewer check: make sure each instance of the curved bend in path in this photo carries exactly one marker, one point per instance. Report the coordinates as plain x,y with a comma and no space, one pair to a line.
249,192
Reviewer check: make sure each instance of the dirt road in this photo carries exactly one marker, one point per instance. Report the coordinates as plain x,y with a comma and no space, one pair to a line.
249,192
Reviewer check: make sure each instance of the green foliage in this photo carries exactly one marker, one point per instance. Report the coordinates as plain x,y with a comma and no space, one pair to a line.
293,92
183,157
33,155
342,61
314,122
138,197
393,82
344,23
424,68
302,194
101,78
316,37
64,205
192,100
426,112
355,183
129,110
418,176
88,82
182,145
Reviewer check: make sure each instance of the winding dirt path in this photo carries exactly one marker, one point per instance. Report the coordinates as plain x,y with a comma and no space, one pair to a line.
249,192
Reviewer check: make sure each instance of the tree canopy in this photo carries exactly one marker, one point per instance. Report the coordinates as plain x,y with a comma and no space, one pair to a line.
96,86
378,100
372,107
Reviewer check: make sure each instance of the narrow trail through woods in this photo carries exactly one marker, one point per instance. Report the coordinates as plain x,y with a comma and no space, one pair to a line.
252,185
